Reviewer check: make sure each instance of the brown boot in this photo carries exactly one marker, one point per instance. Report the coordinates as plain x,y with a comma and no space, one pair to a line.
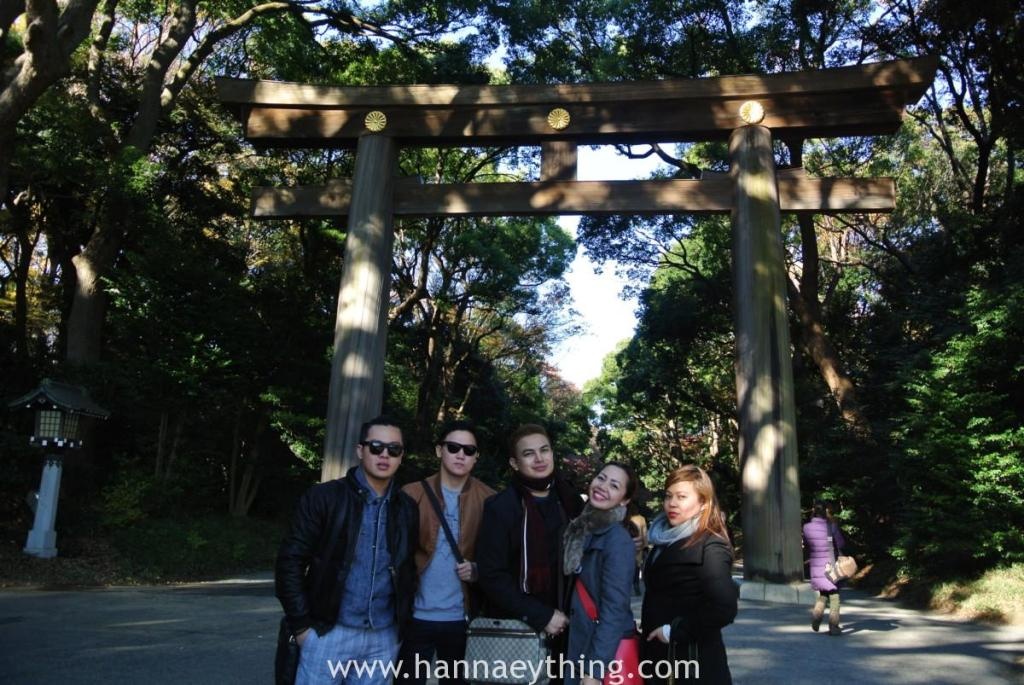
833,615
817,612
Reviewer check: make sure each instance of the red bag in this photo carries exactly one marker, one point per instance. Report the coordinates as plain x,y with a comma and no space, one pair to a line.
627,654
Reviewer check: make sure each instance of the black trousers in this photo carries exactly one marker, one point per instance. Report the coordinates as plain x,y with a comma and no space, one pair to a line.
425,639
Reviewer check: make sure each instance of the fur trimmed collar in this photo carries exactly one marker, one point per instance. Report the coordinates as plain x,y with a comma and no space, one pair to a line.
581,528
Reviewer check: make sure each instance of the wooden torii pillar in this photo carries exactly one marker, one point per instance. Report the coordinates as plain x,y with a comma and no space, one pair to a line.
746,110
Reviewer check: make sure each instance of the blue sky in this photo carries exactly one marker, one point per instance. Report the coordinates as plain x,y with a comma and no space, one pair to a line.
606,317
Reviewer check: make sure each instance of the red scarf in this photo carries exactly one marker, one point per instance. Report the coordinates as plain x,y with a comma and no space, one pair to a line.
535,576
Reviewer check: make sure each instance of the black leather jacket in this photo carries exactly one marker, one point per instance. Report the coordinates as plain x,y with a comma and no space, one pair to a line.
316,555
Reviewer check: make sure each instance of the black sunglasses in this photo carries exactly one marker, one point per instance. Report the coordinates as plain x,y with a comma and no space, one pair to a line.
395,449
454,447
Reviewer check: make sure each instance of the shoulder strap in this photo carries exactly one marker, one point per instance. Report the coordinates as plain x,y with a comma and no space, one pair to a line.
586,600
440,517
833,550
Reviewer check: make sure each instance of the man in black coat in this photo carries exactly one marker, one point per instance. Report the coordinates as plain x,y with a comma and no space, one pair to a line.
346,573
518,550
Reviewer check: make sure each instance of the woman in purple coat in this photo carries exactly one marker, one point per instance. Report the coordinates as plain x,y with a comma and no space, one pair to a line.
822,539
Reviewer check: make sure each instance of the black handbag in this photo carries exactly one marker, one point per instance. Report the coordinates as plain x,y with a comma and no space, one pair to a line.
286,660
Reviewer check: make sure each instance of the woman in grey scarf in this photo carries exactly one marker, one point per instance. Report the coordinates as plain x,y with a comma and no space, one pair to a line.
690,592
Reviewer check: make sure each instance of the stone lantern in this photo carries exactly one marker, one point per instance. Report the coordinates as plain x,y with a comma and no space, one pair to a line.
59,410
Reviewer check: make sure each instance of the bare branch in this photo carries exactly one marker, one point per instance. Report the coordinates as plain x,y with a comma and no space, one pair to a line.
151,101
689,169
97,55
209,42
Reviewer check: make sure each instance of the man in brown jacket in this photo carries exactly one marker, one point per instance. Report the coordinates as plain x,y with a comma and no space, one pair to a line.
444,601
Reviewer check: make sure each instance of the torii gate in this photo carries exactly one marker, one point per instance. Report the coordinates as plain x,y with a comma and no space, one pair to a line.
848,101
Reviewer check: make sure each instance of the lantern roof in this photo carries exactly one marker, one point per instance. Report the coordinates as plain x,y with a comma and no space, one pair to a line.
71,398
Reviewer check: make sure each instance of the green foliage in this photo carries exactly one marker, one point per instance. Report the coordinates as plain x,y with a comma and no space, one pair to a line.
301,432
128,500
175,549
962,443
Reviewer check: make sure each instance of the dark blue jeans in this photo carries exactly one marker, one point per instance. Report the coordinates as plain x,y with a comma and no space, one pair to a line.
424,639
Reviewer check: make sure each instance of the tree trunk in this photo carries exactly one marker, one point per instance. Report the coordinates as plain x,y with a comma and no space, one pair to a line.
981,176
92,264
428,398
714,439
236,449
161,438
172,454
246,494
166,455
88,310
804,301
242,491
22,269
21,300
817,345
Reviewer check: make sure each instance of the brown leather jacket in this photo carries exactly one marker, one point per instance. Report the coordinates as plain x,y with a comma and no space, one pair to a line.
471,506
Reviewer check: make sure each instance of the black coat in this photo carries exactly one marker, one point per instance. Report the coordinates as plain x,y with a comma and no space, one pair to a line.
691,589
316,555
498,558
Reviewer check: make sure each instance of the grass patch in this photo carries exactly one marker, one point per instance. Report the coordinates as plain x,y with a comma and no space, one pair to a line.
150,551
167,550
996,596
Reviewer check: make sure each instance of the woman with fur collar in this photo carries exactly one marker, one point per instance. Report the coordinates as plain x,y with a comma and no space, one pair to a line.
599,552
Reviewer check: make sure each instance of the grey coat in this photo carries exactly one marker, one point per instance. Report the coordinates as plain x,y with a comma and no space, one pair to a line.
608,566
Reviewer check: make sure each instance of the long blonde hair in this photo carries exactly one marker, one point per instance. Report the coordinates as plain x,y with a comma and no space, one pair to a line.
712,520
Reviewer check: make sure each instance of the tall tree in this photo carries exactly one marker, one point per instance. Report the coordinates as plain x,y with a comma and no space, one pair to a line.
174,43
474,289
165,47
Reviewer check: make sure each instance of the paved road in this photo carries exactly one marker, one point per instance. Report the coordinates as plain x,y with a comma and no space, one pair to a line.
225,633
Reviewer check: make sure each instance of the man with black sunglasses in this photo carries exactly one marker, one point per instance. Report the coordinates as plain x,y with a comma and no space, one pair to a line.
445,601
346,573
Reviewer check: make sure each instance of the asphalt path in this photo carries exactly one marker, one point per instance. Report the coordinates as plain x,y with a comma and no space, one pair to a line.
225,632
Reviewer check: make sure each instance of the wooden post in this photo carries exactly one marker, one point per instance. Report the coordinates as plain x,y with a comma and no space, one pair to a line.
360,331
558,160
764,372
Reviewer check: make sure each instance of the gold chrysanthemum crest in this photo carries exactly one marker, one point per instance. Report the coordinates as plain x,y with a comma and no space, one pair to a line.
752,112
558,118
375,121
